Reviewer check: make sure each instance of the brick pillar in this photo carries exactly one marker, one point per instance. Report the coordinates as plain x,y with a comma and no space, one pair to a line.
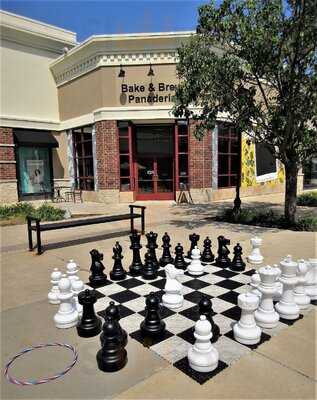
107,151
200,157
8,186
7,157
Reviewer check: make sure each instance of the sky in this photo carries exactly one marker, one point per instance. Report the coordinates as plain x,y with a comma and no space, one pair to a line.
96,17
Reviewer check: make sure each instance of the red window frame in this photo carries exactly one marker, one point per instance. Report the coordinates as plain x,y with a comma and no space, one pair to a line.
124,129
180,133
85,181
227,132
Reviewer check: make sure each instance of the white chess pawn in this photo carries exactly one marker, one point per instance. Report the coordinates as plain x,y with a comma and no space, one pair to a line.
77,287
56,275
255,257
300,296
266,316
203,356
71,269
173,297
67,315
286,307
245,330
255,282
195,267
279,286
311,279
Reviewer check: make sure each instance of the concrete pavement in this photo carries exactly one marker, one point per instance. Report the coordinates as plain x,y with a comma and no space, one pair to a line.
284,367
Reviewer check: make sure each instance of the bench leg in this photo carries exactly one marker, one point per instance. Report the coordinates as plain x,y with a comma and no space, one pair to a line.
142,222
131,224
30,235
38,238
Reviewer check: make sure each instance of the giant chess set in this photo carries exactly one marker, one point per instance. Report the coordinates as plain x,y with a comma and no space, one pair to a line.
199,311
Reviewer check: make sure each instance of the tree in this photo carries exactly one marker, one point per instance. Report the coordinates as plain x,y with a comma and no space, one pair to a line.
256,61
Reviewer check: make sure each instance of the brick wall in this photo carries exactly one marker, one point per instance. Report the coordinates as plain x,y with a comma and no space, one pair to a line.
7,157
199,159
107,148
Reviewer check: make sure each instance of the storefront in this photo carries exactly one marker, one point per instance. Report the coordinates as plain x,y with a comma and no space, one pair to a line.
117,137
34,163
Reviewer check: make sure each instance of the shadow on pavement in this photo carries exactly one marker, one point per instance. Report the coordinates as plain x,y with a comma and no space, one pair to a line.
83,240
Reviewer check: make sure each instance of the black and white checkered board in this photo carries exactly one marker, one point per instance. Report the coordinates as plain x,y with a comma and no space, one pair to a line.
221,285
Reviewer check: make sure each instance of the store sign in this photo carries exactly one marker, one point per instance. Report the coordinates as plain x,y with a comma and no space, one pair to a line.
152,93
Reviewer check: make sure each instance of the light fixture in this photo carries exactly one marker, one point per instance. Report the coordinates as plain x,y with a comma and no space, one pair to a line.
121,72
151,72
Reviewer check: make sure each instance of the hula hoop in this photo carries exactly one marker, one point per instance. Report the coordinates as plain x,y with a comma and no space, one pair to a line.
30,382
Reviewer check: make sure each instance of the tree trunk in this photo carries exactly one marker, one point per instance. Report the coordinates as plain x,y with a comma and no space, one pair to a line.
291,171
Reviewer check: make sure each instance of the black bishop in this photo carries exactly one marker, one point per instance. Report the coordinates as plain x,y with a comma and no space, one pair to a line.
118,273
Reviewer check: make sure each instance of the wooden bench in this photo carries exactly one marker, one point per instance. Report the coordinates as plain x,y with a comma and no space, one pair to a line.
39,227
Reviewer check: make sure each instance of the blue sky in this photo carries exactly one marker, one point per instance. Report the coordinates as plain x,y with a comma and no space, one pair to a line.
88,17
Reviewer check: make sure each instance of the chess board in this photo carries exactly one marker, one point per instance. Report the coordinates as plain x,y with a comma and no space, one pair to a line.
222,286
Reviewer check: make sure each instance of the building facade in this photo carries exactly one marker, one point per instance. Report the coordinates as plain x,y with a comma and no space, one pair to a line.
98,116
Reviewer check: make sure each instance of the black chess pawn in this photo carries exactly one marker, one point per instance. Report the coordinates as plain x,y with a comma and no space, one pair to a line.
207,255
193,243
166,256
97,276
223,261
149,271
153,325
112,356
205,308
113,311
179,261
237,263
136,266
117,273
90,324
152,246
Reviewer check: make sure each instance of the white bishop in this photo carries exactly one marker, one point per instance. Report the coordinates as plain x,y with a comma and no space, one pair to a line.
203,356
67,315
195,267
56,275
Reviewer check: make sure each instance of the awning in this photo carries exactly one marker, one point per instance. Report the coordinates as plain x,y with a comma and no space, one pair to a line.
35,138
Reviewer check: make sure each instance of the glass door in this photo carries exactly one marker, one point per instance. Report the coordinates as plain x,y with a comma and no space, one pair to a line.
154,179
154,163
145,176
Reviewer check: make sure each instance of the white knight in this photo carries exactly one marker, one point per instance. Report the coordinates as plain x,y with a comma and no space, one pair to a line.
173,297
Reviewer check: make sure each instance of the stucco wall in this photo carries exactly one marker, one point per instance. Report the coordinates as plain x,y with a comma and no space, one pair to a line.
103,88
28,90
59,155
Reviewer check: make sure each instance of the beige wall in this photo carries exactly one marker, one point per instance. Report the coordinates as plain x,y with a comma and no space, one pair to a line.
102,88
28,90
59,154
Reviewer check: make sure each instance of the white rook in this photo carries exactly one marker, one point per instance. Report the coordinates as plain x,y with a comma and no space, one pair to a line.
255,257
311,279
245,330
266,316
286,307
300,296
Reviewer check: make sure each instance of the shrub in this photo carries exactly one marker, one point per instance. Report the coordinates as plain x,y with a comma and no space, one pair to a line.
16,210
267,218
307,199
306,224
45,212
